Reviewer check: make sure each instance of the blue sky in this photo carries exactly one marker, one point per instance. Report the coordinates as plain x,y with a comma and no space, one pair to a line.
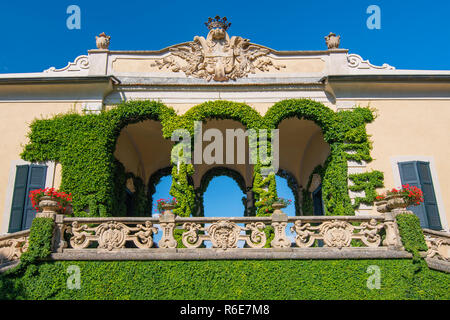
413,35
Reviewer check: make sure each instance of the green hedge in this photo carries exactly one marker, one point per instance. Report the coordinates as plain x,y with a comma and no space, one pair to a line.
243,279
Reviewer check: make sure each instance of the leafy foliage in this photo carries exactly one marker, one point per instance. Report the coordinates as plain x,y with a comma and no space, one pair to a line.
367,182
411,233
229,280
85,144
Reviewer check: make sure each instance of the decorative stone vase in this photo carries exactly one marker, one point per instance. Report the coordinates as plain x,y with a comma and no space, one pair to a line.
102,41
278,205
49,207
168,208
395,202
332,41
382,206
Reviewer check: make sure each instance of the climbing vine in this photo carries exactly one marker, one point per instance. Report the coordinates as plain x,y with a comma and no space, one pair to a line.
85,144
367,182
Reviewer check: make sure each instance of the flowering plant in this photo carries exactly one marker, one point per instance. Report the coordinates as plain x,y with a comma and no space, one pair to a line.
63,199
412,195
269,201
161,202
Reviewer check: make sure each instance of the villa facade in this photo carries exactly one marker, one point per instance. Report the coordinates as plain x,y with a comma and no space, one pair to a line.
409,135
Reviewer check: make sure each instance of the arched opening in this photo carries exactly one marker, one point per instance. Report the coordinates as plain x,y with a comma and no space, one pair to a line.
223,198
143,151
302,150
231,161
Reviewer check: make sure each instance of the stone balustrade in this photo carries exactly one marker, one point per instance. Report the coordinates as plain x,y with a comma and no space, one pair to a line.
13,245
116,233
438,244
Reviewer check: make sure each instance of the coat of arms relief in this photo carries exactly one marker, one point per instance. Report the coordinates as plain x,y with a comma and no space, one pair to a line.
218,57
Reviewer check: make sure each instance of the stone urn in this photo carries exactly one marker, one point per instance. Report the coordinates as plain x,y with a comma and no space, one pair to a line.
168,208
278,206
332,41
382,206
49,207
395,202
102,41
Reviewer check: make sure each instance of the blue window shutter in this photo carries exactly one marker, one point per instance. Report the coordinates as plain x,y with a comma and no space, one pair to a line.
18,201
429,196
36,180
410,175
417,173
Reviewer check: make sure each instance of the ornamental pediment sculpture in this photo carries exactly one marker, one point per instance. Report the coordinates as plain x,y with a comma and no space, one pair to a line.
218,57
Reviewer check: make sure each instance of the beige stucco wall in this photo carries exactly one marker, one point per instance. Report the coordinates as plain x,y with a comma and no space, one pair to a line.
291,65
14,127
402,128
412,128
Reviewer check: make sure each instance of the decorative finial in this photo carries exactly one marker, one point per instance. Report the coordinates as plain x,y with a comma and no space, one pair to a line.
218,23
102,41
332,41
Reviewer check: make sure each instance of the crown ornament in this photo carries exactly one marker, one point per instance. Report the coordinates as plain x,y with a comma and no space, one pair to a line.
217,22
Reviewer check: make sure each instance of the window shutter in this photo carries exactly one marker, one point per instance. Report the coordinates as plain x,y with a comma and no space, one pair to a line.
18,201
429,196
417,173
409,175
36,180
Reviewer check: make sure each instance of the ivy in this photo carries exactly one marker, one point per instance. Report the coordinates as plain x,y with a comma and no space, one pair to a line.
182,190
39,244
411,234
367,182
307,201
85,144
343,279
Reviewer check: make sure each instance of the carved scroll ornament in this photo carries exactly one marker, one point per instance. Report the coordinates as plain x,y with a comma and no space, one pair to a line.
112,235
224,234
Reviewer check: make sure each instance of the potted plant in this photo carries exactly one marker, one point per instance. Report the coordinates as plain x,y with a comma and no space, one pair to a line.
399,198
50,200
276,203
166,205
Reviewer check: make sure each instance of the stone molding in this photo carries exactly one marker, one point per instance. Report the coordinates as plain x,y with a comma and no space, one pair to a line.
80,63
355,61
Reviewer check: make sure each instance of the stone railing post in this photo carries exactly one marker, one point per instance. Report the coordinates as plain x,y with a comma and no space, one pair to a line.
392,239
58,234
279,223
167,223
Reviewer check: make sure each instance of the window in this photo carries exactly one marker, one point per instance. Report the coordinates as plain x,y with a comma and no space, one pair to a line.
417,173
27,178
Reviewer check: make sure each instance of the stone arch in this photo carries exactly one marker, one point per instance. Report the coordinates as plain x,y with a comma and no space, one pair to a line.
294,186
217,172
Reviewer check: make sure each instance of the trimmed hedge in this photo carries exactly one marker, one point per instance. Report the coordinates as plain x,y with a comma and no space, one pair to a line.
243,279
